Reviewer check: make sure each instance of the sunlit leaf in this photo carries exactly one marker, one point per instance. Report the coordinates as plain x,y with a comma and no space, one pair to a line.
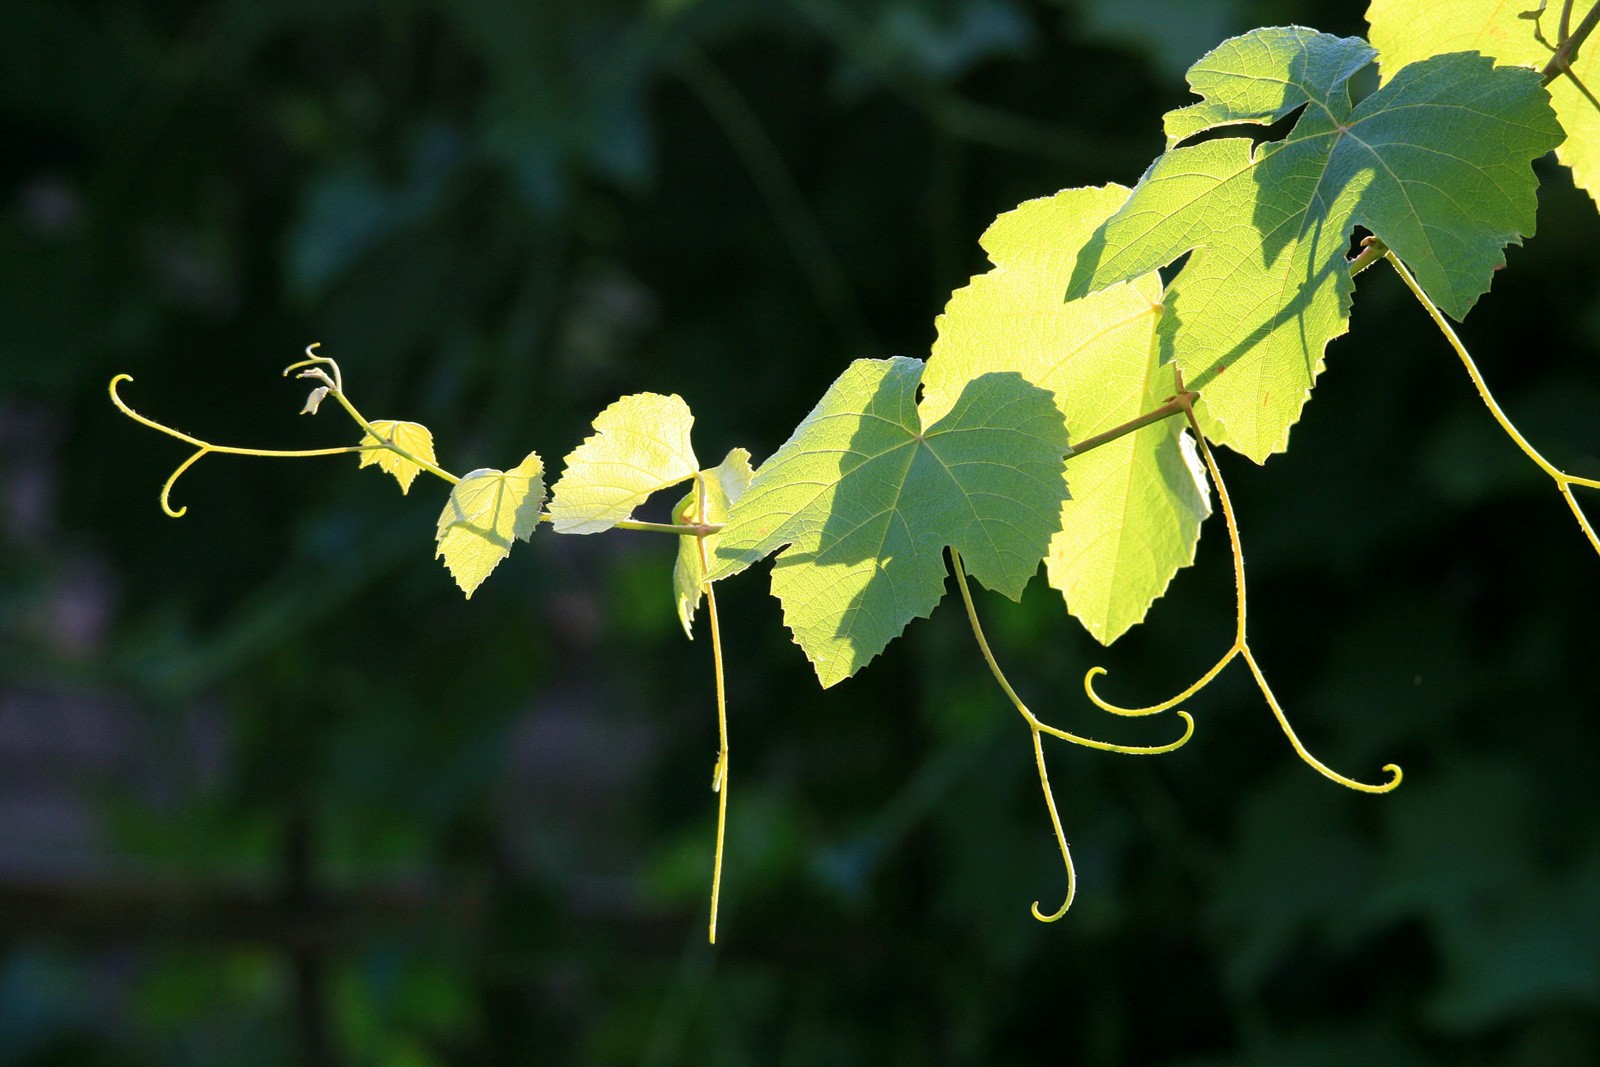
1436,163
724,484
1405,31
641,445
866,498
411,436
487,510
1137,503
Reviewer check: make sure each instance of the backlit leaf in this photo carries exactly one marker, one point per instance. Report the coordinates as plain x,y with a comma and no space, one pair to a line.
411,436
1436,163
487,510
1137,503
641,445
724,484
1405,31
866,495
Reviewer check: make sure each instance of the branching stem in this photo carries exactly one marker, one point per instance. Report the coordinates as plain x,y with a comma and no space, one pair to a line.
1567,44
1037,729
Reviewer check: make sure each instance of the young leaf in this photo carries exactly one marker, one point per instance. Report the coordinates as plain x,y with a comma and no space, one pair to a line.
724,485
314,402
487,510
1406,31
866,498
1436,163
1137,503
413,437
642,445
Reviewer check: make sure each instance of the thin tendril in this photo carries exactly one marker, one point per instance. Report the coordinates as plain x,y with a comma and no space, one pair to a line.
1016,701
1564,481
1037,729
719,781
166,488
1061,837
1583,520
1152,709
204,448
1126,750
312,359
1393,769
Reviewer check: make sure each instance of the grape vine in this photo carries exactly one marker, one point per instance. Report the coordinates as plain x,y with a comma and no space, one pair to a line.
1067,411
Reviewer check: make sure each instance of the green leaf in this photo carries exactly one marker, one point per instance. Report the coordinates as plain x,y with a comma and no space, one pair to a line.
642,445
724,485
1406,31
487,510
1436,163
413,437
1137,503
867,499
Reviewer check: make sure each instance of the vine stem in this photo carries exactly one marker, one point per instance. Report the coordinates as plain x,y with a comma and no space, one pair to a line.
326,370
1038,729
1564,481
1241,643
1568,44
684,529
719,777
1173,406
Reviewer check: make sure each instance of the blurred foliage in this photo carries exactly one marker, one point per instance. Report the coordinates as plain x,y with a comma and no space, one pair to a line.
272,793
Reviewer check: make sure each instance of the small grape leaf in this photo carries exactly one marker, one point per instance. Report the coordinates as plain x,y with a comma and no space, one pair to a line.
1405,31
1436,163
724,485
641,445
487,510
413,437
866,500
1137,503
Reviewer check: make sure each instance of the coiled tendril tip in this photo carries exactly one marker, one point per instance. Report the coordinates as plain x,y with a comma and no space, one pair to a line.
311,360
1396,776
1152,709
1058,913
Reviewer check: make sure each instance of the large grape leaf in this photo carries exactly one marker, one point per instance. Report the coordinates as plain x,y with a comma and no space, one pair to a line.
724,484
487,510
411,436
1436,163
641,444
866,495
1137,503
1406,31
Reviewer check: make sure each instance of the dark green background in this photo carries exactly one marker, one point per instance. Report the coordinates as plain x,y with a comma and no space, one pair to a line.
271,792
